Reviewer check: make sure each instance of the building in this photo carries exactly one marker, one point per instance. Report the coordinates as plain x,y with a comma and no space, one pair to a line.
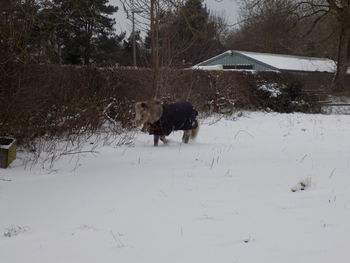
244,60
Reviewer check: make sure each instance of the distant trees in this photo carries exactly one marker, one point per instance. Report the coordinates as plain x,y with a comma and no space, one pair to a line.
339,10
62,31
150,12
195,34
189,34
79,29
180,33
266,27
17,20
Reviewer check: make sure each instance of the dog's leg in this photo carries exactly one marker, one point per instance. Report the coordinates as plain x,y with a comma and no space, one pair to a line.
186,136
145,127
156,140
194,132
163,139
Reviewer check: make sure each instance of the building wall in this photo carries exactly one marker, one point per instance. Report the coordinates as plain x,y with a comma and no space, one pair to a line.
235,59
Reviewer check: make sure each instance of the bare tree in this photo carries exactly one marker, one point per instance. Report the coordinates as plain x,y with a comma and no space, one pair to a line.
340,10
149,12
180,33
265,27
314,13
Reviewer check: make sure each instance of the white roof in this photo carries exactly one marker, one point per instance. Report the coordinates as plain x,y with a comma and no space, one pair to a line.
294,63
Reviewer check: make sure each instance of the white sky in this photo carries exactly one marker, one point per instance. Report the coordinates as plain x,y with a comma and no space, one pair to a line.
225,8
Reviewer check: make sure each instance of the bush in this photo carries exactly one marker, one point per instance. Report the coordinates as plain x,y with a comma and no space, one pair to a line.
284,94
55,101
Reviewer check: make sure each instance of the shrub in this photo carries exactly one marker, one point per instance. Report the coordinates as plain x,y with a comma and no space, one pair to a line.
55,101
284,94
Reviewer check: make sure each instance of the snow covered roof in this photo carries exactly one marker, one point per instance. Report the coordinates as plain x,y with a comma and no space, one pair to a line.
273,61
295,63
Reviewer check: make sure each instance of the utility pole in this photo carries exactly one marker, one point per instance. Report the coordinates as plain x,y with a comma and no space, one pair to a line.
133,11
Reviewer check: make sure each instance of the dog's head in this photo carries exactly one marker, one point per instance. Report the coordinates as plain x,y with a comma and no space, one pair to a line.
147,112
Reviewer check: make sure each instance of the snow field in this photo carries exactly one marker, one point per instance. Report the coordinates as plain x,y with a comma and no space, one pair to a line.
224,198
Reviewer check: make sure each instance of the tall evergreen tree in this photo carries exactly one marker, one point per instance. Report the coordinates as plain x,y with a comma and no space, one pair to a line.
85,23
197,30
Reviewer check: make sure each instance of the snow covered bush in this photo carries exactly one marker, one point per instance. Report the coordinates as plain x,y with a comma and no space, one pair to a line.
284,95
272,89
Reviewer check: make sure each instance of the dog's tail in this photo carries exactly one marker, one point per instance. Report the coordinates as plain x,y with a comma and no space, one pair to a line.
195,131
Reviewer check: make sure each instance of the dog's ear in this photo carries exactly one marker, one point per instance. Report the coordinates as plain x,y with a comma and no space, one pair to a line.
143,105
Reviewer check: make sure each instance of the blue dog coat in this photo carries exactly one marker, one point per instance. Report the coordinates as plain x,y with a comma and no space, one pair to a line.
176,116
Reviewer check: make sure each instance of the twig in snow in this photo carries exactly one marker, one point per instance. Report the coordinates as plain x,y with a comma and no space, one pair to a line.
117,240
69,153
332,173
302,159
215,121
228,173
212,163
244,132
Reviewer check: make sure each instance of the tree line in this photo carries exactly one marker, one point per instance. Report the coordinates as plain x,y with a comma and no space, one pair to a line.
82,32
177,33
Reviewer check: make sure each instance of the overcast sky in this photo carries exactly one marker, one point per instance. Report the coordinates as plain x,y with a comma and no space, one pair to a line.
226,8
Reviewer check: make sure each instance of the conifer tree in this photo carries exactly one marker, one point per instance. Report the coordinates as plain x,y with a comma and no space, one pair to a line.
84,24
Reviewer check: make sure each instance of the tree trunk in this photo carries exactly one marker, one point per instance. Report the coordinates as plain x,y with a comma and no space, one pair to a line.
343,61
154,47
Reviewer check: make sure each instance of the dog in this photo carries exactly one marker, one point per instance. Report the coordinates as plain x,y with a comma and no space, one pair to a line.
160,120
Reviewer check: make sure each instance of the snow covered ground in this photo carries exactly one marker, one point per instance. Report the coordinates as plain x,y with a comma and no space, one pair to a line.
224,198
